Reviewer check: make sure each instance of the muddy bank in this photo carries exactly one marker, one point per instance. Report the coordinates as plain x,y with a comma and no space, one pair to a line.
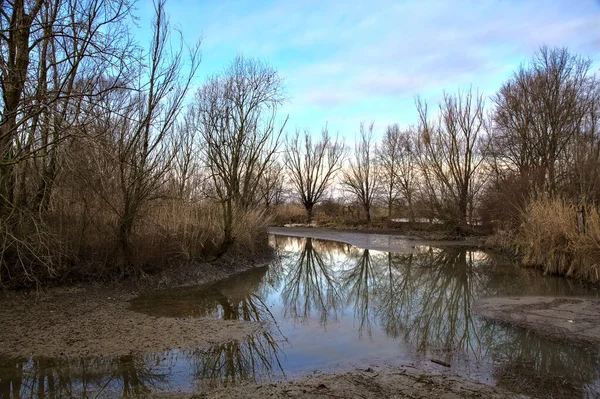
373,382
389,242
96,319
575,320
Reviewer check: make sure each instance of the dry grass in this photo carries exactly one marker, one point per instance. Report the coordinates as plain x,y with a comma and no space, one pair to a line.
80,241
549,238
289,214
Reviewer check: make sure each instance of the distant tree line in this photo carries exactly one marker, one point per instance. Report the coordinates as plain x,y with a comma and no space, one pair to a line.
476,159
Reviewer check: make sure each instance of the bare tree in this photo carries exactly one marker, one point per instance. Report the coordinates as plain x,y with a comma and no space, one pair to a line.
57,58
142,120
539,114
583,156
271,185
450,153
408,171
389,156
362,178
237,121
50,55
396,156
312,166
187,167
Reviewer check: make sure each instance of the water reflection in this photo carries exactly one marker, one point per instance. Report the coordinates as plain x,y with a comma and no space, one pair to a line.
326,303
252,359
237,298
529,365
124,376
359,282
310,285
440,316
424,299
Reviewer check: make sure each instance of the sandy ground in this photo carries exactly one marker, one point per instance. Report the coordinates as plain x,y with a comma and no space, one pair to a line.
95,319
575,320
98,323
373,382
374,241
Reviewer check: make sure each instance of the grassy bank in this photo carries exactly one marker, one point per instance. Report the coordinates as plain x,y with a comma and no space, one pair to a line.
550,237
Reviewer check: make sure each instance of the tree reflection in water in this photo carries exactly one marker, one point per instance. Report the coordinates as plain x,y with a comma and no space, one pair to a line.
359,282
395,293
310,284
254,356
125,376
425,298
440,313
532,366
422,300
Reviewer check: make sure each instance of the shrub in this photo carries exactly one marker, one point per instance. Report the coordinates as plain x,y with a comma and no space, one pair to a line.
549,238
79,242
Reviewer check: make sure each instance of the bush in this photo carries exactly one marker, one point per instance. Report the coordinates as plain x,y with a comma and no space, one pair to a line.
289,214
79,242
549,238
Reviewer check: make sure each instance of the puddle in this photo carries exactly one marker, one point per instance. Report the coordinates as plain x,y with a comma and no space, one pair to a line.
329,307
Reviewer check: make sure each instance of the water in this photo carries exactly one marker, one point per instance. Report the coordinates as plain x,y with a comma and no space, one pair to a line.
330,307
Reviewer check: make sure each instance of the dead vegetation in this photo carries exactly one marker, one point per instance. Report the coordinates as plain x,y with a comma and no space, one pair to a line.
104,170
551,238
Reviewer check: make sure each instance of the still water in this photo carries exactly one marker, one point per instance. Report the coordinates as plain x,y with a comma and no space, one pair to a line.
329,306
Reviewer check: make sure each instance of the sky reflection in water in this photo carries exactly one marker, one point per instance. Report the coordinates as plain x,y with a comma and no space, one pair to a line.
331,306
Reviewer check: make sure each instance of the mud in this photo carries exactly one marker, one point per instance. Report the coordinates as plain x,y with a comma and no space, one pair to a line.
372,382
96,319
574,320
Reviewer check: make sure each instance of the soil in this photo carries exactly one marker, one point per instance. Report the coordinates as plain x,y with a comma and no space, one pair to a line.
574,320
382,240
95,319
373,382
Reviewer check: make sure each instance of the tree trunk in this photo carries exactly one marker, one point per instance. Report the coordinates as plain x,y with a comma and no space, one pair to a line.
14,85
125,227
367,209
227,227
309,212
411,209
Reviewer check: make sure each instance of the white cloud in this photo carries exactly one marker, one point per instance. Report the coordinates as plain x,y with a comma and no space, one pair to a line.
358,60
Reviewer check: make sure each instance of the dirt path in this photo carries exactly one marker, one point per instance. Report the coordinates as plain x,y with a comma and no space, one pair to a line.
374,382
373,241
574,320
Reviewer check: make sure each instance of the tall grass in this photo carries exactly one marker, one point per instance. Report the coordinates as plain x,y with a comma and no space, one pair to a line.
80,241
549,238
289,213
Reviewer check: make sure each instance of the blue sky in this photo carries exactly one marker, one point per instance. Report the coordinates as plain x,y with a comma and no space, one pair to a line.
344,62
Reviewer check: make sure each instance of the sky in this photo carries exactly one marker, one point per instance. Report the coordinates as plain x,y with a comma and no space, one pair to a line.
344,62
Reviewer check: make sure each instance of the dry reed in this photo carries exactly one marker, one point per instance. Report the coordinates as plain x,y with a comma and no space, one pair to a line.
549,237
